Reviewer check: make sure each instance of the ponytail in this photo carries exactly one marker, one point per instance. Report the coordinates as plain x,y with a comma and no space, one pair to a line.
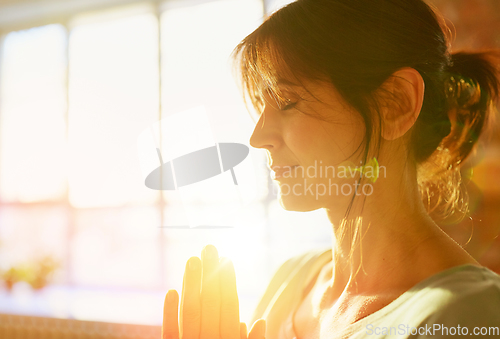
471,87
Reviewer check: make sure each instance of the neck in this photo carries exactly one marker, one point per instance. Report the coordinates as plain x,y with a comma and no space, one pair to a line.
392,244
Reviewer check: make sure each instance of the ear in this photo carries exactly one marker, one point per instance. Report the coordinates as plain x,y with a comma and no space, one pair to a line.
399,113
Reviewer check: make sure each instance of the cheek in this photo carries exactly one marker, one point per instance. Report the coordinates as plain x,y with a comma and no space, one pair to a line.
353,136
302,136
333,138
348,132
331,142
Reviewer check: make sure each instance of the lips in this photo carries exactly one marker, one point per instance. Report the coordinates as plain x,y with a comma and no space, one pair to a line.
279,171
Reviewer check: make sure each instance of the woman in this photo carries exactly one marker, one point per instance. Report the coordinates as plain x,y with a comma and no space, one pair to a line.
339,83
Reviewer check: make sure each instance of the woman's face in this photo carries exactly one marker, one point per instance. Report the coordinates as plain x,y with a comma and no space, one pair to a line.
295,136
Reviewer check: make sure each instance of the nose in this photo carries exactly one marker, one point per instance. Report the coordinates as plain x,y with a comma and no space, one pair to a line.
266,133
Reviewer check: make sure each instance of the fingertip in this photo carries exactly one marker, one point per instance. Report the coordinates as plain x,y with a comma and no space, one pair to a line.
169,329
172,296
210,252
210,246
243,331
258,330
193,263
261,325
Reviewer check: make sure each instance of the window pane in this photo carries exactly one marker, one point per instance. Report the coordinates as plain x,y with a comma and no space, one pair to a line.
113,96
197,42
32,119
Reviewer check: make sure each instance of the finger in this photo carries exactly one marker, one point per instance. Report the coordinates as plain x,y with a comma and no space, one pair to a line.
190,315
229,306
243,331
170,328
210,294
258,330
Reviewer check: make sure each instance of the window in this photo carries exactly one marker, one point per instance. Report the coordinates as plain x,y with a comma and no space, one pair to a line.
74,99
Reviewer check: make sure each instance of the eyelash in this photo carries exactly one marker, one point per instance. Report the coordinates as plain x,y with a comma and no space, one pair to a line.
288,106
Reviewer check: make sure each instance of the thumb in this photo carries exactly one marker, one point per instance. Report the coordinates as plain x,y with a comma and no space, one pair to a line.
258,330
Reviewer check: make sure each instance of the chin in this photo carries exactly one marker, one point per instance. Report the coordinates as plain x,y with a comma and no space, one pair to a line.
298,203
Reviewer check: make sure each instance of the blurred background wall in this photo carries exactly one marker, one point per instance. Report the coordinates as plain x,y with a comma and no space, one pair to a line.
475,25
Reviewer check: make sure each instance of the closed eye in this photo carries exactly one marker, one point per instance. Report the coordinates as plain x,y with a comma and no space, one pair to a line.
288,106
